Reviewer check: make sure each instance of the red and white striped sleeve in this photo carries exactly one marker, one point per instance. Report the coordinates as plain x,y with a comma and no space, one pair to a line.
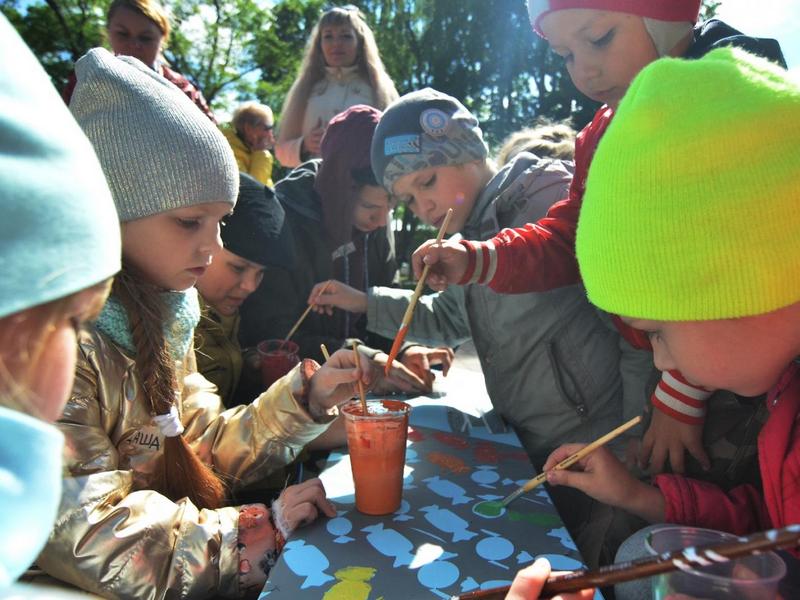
680,399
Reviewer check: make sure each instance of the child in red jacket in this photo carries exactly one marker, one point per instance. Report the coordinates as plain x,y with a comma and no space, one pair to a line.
723,305
605,43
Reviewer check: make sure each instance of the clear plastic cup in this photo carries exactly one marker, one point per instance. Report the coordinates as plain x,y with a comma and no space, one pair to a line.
377,445
753,577
276,358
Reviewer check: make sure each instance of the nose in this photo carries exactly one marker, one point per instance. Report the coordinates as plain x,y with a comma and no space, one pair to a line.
662,358
211,242
426,209
249,282
585,70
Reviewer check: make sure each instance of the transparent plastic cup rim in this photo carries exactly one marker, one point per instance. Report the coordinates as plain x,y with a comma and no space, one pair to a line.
728,537
277,347
377,410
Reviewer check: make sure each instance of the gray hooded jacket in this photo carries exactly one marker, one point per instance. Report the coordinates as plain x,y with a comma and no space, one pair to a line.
555,368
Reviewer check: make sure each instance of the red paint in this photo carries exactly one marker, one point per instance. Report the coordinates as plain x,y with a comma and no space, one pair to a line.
414,435
278,357
454,441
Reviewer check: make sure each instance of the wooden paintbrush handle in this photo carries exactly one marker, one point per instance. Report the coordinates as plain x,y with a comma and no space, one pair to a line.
688,558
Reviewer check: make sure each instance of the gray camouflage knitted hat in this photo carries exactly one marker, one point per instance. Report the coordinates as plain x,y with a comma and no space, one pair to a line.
424,129
158,151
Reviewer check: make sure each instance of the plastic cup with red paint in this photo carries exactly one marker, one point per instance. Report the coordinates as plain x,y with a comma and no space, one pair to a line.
277,358
377,445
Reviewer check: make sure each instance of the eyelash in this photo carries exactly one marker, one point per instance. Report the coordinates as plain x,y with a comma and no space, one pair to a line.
430,183
189,223
604,40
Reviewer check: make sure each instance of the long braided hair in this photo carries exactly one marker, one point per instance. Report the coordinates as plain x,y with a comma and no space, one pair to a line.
179,473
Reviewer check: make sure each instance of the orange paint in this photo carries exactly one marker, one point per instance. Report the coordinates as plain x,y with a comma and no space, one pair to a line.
377,444
449,462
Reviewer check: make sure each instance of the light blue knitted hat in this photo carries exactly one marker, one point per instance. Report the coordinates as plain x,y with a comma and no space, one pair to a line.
59,232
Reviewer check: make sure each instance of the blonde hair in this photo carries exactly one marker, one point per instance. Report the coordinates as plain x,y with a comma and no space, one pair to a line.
147,8
180,473
546,140
251,113
24,335
312,69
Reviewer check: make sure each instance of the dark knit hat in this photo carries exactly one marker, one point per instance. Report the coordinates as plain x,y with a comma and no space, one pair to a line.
344,149
424,129
257,229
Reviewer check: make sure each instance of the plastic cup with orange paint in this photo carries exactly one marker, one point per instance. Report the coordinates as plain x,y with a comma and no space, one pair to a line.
377,445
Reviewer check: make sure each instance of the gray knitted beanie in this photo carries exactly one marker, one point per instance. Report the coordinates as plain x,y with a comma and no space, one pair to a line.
158,151
424,129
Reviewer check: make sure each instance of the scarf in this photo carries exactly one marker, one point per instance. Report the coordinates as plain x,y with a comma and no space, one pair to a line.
183,314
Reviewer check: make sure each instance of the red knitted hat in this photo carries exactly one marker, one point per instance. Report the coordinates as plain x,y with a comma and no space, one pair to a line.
663,10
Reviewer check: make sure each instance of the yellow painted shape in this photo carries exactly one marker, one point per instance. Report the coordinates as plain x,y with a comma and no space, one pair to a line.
352,584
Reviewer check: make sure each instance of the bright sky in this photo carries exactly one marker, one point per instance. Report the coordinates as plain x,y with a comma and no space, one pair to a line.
779,19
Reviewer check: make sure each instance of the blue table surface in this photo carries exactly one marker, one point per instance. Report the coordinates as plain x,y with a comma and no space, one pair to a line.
436,544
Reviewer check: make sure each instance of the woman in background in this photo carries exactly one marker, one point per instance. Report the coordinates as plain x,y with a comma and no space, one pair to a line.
341,68
140,28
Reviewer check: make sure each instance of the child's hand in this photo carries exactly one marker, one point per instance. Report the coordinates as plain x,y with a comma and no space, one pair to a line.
336,295
603,477
300,505
420,358
400,378
668,437
336,380
448,262
529,581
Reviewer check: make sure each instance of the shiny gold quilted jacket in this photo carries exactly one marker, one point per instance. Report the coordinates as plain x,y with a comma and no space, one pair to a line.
120,543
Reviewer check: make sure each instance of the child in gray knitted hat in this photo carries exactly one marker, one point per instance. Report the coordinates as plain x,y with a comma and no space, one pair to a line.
149,443
553,377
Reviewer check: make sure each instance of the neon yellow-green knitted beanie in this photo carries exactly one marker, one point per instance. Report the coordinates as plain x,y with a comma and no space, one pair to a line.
692,204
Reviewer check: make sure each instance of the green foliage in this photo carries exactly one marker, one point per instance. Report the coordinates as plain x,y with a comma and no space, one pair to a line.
58,31
219,44
484,53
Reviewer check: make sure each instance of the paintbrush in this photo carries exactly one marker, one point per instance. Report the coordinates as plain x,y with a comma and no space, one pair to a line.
571,460
401,333
685,559
361,393
305,313
325,352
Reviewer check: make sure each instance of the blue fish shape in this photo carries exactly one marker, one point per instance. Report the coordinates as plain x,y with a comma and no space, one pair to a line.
449,522
306,560
390,543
